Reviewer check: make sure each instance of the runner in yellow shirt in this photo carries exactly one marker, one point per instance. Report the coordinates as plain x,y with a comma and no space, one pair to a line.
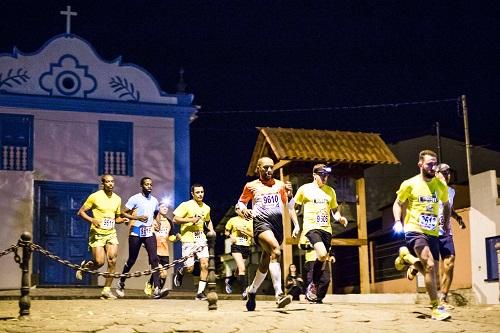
240,231
106,211
320,205
421,195
193,216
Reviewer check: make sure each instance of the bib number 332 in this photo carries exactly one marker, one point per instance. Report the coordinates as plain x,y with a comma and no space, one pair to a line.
107,223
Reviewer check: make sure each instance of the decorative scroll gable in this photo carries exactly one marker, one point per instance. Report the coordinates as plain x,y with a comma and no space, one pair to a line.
68,66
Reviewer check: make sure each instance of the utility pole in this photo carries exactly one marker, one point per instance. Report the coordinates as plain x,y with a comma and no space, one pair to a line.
440,156
463,98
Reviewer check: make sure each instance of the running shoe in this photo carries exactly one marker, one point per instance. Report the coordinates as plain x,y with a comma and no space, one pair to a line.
201,297
447,306
120,289
156,293
79,272
400,262
160,293
164,292
411,273
107,294
178,278
283,300
148,289
229,288
250,304
311,292
244,295
440,313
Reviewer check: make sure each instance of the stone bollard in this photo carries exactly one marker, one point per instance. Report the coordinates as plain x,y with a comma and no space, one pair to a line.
212,294
497,247
24,300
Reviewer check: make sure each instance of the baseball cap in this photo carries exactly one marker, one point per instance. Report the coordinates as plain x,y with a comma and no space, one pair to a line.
322,168
443,167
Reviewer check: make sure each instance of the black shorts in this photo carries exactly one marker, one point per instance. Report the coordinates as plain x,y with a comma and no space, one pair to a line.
261,226
416,239
318,235
164,260
446,246
244,250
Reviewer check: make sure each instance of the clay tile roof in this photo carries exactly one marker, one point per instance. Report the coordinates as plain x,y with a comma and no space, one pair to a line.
308,145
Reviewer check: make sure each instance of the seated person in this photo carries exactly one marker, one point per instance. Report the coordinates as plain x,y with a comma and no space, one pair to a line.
294,283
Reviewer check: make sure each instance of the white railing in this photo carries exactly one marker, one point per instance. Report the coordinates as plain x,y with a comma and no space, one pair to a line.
14,158
115,163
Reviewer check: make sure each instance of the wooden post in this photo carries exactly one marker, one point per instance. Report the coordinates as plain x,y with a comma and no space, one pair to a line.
212,295
364,273
24,300
287,252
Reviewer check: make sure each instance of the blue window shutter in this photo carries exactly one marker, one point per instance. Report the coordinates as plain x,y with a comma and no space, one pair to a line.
491,258
116,148
16,142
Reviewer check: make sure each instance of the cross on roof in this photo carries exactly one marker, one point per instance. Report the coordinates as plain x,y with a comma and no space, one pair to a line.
68,14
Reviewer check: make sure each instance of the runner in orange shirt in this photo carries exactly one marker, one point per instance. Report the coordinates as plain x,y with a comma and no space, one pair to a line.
269,197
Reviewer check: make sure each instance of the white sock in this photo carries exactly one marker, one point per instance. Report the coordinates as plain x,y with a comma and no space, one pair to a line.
201,286
275,270
257,281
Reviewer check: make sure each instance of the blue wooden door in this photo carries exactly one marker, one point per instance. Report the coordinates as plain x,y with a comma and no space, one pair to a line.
58,229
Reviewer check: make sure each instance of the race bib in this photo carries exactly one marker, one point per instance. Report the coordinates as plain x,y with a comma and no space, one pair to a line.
163,232
428,221
198,236
145,231
322,220
271,200
107,223
241,240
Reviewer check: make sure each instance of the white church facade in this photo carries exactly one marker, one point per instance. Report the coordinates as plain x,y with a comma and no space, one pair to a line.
67,116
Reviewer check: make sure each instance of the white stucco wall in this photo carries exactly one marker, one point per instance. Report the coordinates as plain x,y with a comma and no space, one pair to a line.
16,207
65,150
484,222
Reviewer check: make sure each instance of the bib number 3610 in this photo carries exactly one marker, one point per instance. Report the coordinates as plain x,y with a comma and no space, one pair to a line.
271,200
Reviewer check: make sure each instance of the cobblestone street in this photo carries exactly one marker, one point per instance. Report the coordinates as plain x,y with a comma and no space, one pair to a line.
175,315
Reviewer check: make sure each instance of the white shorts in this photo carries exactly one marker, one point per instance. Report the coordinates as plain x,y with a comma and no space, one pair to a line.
187,248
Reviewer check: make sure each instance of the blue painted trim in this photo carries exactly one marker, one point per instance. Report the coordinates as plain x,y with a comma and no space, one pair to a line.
183,99
76,77
182,168
53,103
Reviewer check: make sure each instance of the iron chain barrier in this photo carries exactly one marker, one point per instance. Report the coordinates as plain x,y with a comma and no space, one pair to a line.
29,247
12,248
37,248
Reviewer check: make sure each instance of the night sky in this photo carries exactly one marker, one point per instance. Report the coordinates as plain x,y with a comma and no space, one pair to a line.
303,64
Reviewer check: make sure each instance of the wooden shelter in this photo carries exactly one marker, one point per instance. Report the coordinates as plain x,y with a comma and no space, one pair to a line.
295,151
